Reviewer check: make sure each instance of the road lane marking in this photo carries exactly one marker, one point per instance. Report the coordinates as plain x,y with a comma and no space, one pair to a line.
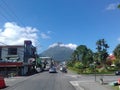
74,76
76,85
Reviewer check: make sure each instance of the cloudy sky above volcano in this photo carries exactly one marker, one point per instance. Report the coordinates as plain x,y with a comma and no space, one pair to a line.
69,45
13,34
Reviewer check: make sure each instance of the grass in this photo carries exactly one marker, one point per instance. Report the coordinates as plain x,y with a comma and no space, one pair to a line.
116,88
75,70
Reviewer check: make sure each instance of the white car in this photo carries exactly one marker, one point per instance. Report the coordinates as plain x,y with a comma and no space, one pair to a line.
52,70
61,68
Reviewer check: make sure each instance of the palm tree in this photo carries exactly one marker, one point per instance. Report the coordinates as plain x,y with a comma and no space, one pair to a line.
102,51
119,6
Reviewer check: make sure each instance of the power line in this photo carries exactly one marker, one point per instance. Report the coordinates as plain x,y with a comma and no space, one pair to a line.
11,12
4,11
4,16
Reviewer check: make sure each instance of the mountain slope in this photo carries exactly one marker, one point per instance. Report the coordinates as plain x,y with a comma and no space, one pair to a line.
58,53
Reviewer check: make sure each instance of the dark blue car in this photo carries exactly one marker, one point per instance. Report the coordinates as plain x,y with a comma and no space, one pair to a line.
117,73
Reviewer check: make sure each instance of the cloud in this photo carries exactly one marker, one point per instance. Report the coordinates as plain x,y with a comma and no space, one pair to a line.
49,32
44,36
12,34
112,6
70,45
119,39
53,45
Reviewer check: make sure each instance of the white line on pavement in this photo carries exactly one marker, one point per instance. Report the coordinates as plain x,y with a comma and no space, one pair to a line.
76,85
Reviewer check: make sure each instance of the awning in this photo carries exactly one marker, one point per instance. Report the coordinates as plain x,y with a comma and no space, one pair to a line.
11,64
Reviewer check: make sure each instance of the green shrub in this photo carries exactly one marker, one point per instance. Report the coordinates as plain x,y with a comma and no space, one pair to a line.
78,65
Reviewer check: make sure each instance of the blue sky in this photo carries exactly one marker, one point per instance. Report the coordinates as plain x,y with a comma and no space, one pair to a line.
72,22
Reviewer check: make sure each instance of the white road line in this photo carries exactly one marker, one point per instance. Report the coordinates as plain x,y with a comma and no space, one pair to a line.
76,85
74,76
87,81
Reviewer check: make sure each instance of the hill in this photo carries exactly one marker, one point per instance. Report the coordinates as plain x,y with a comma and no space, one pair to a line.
58,52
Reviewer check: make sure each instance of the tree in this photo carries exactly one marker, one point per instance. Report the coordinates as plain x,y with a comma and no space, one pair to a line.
83,54
75,55
119,6
82,50
116,53
89,57
96,57
102,51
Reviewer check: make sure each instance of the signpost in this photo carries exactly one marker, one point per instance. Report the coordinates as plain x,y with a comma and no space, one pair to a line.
95,70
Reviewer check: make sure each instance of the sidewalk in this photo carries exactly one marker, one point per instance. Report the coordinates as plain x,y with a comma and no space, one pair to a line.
94,86
89,84
13,80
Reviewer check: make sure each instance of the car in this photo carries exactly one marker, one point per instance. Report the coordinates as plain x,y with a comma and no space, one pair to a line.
52,70
63,69
117,73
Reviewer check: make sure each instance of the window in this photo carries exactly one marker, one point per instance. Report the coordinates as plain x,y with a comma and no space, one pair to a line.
12,51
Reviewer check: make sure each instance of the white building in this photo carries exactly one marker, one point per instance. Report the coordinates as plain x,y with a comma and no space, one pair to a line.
15,58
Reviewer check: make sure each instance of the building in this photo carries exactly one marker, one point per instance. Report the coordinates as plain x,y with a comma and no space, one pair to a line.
111,60
17,59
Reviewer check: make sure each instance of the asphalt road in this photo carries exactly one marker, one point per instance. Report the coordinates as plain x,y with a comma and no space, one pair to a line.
60,81
44,81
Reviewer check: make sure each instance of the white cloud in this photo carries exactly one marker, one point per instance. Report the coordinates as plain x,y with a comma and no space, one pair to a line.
119,39
49,32
12,34
70,45
112,6
44,36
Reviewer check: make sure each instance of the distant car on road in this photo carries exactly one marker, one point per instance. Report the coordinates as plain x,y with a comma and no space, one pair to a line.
117,73
52,70
63,69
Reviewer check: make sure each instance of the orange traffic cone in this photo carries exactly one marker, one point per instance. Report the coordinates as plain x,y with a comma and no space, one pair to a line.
2,82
